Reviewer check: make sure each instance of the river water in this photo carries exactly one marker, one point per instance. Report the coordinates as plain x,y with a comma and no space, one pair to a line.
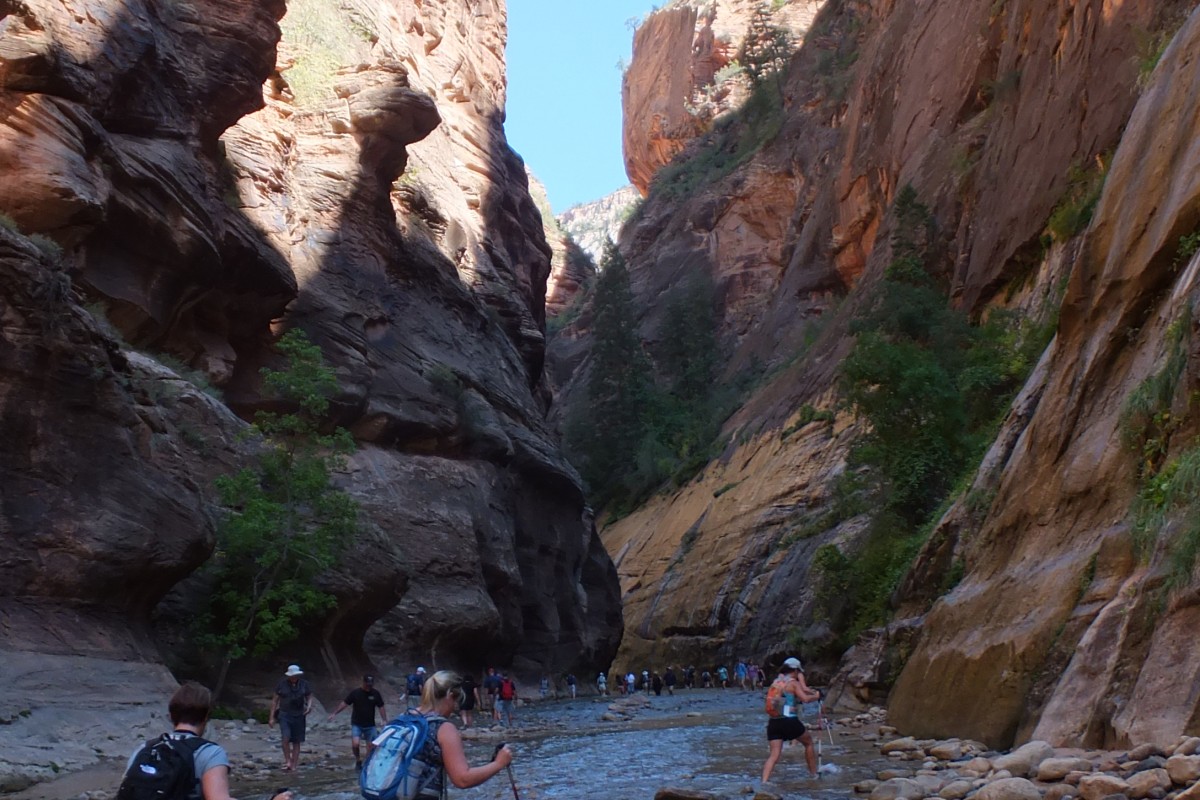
712,740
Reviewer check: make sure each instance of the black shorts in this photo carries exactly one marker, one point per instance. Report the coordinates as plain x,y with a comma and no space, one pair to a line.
785,728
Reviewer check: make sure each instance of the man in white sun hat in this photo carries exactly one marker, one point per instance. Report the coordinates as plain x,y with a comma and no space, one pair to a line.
783,716
291,704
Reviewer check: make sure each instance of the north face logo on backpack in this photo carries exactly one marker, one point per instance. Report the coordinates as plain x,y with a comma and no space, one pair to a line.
164,769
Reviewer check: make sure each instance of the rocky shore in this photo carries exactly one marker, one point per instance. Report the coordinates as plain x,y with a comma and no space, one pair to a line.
957,769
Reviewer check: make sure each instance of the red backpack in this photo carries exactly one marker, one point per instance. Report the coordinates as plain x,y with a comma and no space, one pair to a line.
507,690
775,698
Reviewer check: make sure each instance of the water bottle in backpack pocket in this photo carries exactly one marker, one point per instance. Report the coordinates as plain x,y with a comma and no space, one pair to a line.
395,769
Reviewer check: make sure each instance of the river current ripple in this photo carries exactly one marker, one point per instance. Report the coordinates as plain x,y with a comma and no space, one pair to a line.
708,740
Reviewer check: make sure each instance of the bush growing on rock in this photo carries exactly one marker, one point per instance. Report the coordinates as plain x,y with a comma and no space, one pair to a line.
286,522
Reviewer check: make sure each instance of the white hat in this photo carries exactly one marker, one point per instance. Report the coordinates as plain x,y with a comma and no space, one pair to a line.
293,671
793,663
420,669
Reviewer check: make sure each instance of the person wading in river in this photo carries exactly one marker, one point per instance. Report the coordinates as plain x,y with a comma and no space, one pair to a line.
783,699
441,696
363,700
291,704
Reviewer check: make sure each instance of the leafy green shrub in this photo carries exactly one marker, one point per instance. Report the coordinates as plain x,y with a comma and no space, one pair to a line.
445,381
1146,420
196,377
1189,243
285,522
1074,210
1171,494
324,37
808,414
50,248
933,388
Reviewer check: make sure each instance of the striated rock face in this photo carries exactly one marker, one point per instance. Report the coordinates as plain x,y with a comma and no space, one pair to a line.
955,99
193,227
1124,654
592,224
671,92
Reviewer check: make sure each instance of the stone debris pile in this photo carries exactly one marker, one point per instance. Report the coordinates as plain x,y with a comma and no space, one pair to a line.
961,769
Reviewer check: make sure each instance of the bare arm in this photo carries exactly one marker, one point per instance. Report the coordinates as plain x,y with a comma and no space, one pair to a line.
341,707
460,773
215,783
274,710
383,714
805,694
307,704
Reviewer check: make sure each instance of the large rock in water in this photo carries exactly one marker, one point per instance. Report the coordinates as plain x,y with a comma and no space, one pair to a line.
191,237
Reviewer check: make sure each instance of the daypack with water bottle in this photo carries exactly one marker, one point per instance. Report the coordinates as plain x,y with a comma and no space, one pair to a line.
397,768
776,698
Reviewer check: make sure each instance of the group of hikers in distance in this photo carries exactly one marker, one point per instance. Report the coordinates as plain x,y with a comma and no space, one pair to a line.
747,676
412,756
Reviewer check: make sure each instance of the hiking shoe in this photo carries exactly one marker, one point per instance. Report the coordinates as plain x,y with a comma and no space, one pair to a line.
358,765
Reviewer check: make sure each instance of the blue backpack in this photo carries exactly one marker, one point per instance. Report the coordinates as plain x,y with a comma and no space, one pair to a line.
394,770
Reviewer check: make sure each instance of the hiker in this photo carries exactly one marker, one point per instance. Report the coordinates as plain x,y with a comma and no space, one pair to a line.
740,673
669,680
602,684
291,704
544,686
723,676
689,677
752,675
630,683
491,686
507,695
705,680
412,687
571,684
441,695
151,770
470,700
783,724
363,700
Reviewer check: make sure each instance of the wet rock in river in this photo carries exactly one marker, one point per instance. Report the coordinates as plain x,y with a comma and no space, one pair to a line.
1009,789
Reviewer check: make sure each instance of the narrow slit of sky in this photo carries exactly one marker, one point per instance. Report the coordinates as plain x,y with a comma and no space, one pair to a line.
564,92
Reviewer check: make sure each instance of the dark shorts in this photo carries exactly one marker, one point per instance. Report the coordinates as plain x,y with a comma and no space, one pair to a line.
291,727
785,728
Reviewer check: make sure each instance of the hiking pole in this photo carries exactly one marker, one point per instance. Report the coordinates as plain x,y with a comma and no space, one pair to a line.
511,779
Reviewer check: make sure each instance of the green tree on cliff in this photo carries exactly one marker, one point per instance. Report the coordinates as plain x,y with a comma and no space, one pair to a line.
286,522
608,430
766,49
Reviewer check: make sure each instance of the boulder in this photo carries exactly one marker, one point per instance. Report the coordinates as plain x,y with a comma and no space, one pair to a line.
866,787
951,750
1142,784
1055,769
1190,793
1153,762
956,790
1188,747
894,772
1009,789
1059,791
674,793
898,789
1073,778
1025,760
932,783
906,745
1144,751
1184,769
1101,785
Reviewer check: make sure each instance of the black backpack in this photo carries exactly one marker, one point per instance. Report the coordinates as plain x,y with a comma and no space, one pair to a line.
164,769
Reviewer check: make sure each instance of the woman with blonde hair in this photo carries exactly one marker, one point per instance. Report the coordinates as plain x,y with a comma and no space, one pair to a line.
441,696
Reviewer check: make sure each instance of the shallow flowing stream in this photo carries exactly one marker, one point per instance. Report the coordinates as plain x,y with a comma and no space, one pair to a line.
709,740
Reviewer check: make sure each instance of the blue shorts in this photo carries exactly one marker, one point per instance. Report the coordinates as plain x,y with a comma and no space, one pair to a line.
506,706
291,726
368,732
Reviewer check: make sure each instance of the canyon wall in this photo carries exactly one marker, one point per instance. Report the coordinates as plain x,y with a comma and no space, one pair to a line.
177,193
992,112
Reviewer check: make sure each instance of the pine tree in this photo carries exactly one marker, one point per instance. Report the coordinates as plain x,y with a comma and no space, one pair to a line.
608,431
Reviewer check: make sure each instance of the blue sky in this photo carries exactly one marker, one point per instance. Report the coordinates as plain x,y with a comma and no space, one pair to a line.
564,92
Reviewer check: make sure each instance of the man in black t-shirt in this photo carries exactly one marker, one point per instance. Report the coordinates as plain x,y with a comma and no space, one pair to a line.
363,700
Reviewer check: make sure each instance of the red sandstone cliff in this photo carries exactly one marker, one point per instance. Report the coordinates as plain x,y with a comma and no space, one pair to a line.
984,108
199,192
